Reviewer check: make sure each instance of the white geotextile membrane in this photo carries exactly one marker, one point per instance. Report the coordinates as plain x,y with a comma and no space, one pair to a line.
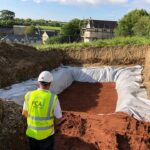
132,99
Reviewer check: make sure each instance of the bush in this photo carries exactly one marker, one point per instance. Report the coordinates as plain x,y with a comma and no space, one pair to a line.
117,41
54,40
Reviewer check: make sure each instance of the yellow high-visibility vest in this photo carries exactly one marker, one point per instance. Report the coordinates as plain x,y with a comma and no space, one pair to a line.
40,120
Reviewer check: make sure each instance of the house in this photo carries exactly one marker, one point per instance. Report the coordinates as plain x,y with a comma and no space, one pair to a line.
16,34
39,37
98,29
47,34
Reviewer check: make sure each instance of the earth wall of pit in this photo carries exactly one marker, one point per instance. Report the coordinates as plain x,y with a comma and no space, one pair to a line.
128,55
19,62
146,72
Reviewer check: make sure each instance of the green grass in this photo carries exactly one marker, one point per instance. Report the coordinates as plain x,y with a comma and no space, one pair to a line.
117,41
51,28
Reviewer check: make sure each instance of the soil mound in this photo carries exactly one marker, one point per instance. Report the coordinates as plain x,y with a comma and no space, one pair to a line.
12,127
20,62
99,128
105,132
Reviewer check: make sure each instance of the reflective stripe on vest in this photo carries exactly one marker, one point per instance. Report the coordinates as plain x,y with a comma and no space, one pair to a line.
40,118
41,128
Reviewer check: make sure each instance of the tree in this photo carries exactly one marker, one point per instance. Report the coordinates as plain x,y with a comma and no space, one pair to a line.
142,27
28,22
19,21
71,31
127,23
6,23
7,15
55,40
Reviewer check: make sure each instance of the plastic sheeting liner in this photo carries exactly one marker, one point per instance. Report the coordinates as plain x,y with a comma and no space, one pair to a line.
131,98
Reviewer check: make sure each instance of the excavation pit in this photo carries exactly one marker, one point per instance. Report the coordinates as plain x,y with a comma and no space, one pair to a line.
78,131
93,98
98,90
97,104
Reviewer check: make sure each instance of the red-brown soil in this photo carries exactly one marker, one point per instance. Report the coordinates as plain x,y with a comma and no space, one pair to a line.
83,129
78,131
93,98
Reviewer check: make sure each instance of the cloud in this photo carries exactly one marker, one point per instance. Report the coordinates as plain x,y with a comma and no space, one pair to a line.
118,1
128,4
91,2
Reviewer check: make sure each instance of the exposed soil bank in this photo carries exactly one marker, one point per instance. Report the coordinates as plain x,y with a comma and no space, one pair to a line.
19,62
128,55
147,72
93,98
78,131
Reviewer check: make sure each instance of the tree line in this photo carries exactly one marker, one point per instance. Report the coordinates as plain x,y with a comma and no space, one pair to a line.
134,23
7,19
70,31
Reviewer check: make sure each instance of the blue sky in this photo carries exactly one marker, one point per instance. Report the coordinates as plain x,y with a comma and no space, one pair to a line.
65,10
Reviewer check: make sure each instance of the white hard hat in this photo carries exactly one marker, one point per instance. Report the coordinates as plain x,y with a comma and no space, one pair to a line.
45,76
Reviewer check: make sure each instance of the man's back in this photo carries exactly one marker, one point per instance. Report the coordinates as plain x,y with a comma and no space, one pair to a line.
40,108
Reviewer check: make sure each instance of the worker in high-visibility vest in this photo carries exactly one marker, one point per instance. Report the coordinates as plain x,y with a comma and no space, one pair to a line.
40,108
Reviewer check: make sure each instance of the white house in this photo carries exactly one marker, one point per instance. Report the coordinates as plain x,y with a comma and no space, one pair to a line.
98,29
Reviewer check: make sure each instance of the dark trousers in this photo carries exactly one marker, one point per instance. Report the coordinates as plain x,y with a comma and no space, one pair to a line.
46,144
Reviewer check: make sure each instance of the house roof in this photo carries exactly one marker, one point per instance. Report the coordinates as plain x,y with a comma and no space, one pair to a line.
103,24
6,30
13,37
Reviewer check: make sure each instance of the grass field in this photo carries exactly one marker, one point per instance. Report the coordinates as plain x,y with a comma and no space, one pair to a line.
117,41
51,28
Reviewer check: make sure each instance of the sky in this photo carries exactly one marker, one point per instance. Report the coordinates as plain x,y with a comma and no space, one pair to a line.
65,10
